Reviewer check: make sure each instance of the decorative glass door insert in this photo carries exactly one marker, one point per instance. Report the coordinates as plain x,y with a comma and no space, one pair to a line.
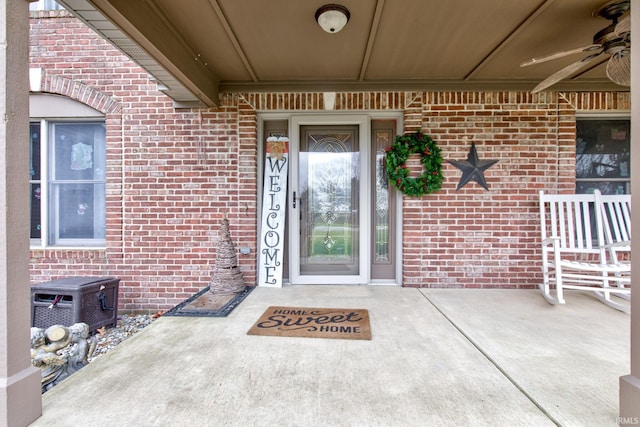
383,264
329,181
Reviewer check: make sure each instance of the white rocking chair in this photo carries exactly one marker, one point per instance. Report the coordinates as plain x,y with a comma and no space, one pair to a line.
584,237
616,221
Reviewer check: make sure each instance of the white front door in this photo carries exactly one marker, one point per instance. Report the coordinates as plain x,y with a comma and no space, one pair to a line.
328,209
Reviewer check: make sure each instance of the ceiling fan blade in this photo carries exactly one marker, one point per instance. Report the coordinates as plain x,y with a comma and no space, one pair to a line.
565,72
624,24
557,55
619,68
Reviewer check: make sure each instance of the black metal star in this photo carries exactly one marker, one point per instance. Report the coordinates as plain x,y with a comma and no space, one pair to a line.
473,168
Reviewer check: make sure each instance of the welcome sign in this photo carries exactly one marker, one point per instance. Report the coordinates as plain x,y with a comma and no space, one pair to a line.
270,255
342,323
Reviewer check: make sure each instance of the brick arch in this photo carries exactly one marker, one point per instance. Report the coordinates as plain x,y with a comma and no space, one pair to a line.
77,91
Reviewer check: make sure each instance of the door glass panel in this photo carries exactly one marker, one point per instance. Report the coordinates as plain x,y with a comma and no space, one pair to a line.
382,140
383,204
329,174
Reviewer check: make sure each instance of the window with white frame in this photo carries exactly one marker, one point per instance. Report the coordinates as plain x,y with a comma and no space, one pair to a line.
603,155
45,5
67,177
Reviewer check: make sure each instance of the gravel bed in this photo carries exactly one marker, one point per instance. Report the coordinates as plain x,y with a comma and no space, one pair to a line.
128,325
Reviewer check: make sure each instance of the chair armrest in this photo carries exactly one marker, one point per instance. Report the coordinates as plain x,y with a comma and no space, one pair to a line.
623,244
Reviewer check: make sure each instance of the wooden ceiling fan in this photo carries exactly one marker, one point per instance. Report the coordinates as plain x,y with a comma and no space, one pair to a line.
614,40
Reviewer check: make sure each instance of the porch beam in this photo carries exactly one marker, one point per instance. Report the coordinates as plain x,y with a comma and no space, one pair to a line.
291,86
145,24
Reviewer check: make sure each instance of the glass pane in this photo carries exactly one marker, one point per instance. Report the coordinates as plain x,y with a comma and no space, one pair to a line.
79,152
605,187
382,140
34,152
329,182
79,210
35,211
34,179
602,149
45,5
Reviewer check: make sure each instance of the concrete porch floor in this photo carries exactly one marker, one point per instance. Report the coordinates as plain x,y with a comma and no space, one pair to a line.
437,358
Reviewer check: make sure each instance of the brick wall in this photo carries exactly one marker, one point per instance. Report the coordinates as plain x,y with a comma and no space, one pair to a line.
174,174
488,238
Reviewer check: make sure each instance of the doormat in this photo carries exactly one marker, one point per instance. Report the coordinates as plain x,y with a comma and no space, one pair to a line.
339,323
207,304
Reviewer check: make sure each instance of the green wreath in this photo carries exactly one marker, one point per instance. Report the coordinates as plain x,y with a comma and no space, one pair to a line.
430,157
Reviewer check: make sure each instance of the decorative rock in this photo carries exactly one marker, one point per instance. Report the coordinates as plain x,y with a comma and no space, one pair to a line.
128,325
227,278
59,351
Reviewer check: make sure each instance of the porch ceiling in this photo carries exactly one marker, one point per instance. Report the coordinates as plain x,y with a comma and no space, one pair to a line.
199,48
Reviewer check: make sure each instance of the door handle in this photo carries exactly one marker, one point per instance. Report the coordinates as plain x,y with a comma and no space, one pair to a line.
294,200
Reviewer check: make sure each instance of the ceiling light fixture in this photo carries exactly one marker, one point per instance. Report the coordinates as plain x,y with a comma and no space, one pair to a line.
332,17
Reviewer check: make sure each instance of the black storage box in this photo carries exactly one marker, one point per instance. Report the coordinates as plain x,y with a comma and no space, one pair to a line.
91,300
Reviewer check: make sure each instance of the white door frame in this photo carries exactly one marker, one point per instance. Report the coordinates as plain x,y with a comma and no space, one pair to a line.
364,124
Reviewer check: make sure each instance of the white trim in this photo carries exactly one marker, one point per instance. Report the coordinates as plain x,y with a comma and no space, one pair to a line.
380,282
605,115
35,79
59,107
44,183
